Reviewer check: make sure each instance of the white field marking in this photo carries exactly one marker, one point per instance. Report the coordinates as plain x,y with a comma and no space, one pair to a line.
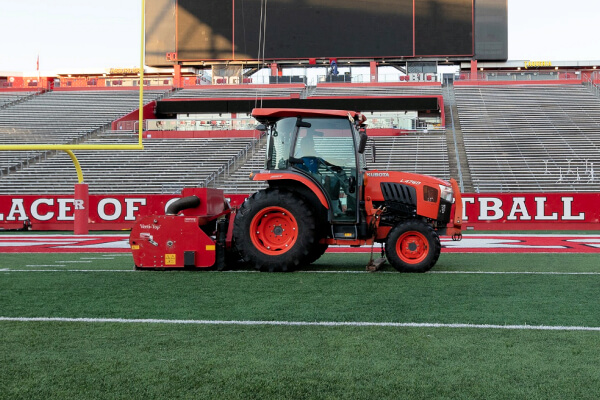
66,270
305,272
567,235
59,236
514,272
74,262
302,323
45,265
494,243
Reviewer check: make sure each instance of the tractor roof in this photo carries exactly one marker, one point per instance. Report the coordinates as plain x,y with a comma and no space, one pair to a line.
273,114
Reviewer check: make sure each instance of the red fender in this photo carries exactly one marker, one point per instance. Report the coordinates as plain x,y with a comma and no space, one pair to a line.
270,176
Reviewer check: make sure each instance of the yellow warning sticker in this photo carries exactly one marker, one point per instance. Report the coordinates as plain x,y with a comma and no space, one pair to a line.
170,259
135,247
210,247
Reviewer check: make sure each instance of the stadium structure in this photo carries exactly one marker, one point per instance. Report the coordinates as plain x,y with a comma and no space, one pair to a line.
432,77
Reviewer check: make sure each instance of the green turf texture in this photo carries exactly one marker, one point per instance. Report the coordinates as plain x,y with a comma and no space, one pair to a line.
58,360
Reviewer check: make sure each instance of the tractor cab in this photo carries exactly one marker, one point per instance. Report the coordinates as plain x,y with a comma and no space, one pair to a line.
324,146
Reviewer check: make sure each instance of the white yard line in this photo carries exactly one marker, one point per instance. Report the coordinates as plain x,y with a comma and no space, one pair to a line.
65,270
302,323
303,272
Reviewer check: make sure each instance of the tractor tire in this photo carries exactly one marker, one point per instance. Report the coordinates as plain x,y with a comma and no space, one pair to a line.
275,230
412,246
316,252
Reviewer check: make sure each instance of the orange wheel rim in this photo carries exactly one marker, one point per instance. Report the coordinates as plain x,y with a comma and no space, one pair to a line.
412,247
273,230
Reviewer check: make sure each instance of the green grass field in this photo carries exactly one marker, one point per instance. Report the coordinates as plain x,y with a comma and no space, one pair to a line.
145,360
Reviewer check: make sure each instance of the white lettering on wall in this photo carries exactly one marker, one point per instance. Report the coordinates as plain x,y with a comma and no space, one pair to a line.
490,209
17,208
102,209
519,206
131,208
567,211
541,211
35,212
63,208
466,200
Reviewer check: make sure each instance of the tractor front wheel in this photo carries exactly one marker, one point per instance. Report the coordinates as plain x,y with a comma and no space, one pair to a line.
274,230
412,246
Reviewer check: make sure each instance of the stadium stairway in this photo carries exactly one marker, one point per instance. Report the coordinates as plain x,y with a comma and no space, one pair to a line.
456,153
238,180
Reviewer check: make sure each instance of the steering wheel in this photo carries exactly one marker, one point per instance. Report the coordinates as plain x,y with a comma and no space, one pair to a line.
319,161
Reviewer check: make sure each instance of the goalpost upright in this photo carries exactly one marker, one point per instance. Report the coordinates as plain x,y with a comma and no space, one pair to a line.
81,207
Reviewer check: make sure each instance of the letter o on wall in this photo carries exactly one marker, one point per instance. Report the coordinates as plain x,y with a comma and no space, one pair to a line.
102,212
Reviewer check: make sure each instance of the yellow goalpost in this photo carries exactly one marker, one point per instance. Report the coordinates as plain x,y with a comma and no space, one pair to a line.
68,148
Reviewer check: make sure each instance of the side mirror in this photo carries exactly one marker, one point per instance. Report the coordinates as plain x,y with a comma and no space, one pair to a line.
302,124
362,144
261,127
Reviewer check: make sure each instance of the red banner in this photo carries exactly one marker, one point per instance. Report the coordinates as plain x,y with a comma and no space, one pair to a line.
531,211
106,212
490,211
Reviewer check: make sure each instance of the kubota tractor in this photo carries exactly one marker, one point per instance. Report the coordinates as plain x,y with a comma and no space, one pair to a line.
319,193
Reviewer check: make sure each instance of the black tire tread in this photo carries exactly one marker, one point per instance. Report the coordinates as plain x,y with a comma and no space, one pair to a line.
413,225
303,214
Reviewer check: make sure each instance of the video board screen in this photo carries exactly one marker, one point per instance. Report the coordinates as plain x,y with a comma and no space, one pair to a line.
239,29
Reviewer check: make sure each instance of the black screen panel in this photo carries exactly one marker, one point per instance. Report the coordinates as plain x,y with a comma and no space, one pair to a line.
332,28
443,28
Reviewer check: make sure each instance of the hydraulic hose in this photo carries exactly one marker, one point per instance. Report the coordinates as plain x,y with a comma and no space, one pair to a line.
183,204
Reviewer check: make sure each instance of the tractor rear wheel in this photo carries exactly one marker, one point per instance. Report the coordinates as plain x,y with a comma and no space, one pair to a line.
316,252
274,230
412,246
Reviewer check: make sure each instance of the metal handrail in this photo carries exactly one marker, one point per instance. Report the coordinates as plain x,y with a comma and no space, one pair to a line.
460,176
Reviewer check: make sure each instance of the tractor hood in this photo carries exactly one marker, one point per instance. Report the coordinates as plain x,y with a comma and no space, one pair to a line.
406,178
422,192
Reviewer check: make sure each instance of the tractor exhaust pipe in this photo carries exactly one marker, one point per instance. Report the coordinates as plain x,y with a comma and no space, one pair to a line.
182,204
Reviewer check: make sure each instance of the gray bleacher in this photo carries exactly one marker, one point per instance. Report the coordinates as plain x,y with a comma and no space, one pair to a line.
421,154
164,166
389,90
531,137
239,181
6,98
61,118
242,91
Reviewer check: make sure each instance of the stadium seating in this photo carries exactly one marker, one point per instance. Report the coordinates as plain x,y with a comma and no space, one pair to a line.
368,90
423,154
519,138
244,91
7,98
164,166
62,117
531,137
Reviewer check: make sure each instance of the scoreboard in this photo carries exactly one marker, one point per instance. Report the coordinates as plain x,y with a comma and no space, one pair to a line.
225,30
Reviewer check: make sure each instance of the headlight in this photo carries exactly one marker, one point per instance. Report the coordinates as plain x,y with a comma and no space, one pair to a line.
446,193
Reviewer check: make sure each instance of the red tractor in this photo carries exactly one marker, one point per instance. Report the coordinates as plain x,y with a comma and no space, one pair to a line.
319,193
